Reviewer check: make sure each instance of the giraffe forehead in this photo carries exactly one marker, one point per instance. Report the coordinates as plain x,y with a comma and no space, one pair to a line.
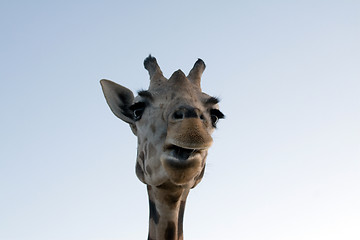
168,101
177,82
171,91
178,88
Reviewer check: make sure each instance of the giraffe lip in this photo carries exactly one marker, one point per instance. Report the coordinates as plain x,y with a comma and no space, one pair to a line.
181,153
187,145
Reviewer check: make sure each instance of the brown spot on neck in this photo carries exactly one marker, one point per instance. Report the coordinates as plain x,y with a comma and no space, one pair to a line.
148,170
167,205
151,150
153,128
171,193
170,231
181,219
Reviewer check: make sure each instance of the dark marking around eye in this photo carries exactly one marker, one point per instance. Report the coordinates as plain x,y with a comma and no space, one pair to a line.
137,110
215,115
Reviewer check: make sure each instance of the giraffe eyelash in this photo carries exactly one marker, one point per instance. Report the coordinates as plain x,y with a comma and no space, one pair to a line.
146,94
212,101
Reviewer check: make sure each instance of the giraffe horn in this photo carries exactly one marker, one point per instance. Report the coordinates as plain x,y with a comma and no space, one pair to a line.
196,72
156,75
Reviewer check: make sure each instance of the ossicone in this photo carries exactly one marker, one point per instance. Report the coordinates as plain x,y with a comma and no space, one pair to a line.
196,72
156,75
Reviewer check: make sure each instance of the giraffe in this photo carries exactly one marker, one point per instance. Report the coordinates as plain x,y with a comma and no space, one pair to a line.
173,121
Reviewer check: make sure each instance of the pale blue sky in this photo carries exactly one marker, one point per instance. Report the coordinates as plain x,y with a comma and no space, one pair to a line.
285,163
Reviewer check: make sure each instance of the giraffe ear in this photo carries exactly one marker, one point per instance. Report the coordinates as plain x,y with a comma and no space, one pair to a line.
119,99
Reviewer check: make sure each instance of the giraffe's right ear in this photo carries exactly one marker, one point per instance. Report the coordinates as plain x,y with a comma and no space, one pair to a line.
119,99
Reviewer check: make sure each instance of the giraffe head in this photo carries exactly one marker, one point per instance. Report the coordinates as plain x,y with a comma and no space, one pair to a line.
173,121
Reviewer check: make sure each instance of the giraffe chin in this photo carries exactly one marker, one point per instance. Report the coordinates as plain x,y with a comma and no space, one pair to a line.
182,165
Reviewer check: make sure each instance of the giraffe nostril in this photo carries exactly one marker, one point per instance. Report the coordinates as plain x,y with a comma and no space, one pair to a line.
187,112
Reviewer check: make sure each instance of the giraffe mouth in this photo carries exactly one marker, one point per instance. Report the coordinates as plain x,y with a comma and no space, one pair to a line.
175,152
180,153
182,164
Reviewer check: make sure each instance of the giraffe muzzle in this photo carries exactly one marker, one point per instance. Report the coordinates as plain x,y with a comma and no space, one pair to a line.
185,149
189,133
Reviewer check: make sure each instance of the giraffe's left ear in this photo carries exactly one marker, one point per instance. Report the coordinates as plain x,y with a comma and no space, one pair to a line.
119,99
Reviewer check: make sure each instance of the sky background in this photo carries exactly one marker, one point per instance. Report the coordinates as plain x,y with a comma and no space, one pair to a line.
285,163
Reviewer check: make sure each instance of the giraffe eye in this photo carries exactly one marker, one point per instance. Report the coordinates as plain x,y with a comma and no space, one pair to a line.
214,119
215,115
138,110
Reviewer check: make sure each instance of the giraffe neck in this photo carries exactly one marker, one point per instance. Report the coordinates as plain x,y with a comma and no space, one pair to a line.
167,205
